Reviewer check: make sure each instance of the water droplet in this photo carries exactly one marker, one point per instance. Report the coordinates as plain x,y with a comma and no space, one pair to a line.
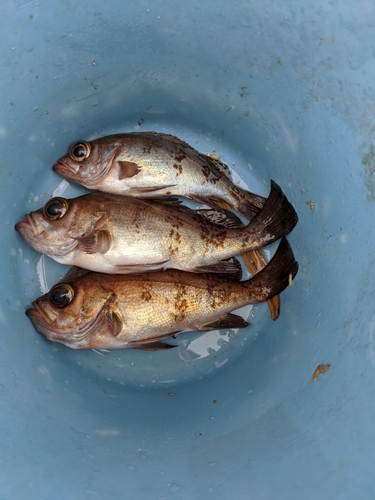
174,487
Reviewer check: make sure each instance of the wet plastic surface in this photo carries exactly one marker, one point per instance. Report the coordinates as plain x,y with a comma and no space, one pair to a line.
280,91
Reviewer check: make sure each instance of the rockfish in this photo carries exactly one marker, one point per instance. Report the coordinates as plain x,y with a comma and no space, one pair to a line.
102,311
116,234
149,165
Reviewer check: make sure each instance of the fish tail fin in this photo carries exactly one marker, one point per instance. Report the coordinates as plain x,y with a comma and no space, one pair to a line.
276,276
276,219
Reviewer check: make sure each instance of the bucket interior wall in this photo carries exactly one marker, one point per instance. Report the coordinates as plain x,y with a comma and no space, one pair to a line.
280,90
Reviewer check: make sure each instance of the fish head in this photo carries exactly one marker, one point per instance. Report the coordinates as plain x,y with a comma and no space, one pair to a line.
88,162
79,315
54,229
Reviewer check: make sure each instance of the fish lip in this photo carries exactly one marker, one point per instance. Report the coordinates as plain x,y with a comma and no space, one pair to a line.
29,218
40,313
62,168
28,224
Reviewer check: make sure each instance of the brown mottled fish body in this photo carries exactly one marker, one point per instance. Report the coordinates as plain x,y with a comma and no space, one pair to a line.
101,311
115,234
150,164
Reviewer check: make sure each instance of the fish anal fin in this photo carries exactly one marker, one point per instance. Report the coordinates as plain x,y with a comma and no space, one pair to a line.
96,242
225,267
127,169
227,321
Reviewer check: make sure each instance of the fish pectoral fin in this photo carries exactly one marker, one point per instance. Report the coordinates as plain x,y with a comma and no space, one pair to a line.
115,322
221,217
138,268
150,189
225,267
227,321
127,169
95,242
152,344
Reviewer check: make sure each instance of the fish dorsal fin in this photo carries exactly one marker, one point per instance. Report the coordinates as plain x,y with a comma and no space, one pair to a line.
95,242
219,165
170,138
227,321
73,274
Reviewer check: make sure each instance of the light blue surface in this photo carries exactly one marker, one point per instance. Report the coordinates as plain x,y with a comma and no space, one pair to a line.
281,90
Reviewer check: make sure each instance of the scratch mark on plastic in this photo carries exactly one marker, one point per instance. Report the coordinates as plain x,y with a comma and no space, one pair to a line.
74,70
27,4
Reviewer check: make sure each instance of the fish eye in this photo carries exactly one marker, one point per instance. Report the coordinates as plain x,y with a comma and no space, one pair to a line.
61,295
79,151
56,208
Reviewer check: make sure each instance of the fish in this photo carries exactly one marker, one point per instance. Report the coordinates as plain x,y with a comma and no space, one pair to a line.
88,310
151,164
110,233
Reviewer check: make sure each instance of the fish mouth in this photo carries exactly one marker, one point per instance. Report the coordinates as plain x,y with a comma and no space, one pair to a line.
28,226
65,169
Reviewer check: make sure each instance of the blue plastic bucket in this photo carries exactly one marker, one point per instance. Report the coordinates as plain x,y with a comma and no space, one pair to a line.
280,90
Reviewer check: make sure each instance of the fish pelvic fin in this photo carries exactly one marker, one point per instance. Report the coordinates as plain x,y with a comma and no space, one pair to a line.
139,268
276,219
152,344
276,276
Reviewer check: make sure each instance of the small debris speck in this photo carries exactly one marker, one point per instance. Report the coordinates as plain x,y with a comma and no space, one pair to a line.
311,204
320,369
